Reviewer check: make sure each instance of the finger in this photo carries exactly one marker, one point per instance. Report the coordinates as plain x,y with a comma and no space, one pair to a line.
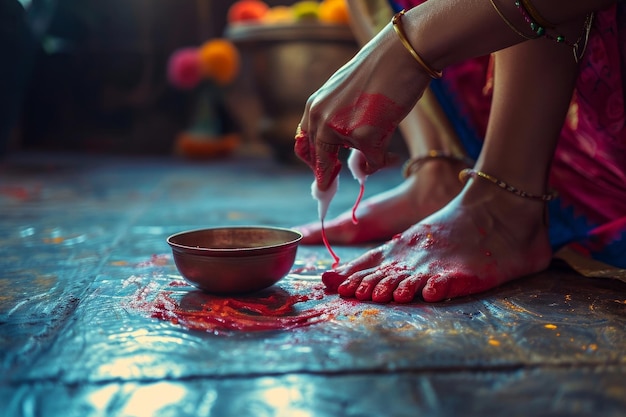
377,160
327,164
303,147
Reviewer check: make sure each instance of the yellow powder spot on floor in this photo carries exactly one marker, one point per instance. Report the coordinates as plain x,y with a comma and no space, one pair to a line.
514,307
550,326
366,314
119,263
54,240
494,342
370,312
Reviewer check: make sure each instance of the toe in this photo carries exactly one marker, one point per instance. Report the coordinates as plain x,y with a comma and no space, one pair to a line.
436,289
459,284
368,283
407,288
383,292
349,287
332,280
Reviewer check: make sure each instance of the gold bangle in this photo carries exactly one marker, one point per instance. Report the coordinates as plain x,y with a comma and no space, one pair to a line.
397,26
536,16
472,173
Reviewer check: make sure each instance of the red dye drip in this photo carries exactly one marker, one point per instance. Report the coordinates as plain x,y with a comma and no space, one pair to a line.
356,204
336,259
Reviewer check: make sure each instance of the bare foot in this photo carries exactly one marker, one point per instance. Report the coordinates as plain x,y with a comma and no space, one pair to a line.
477,242
383,216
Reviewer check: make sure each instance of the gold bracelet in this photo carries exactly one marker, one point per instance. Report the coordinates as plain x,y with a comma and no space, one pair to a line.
397,26
472,173
536,16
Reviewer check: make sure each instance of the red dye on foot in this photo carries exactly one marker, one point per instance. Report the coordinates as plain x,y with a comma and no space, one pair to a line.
332,280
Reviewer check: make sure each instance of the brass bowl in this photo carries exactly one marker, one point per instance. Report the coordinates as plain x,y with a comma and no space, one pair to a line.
234,260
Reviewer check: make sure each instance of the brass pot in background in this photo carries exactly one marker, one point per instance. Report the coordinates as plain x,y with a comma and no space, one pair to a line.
282,65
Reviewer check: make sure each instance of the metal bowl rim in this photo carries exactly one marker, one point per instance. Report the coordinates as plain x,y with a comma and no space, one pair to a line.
290,32
184,249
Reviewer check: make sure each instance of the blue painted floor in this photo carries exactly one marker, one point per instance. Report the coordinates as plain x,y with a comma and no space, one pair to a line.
84,270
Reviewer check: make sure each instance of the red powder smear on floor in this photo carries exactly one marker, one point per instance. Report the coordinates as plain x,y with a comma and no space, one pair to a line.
356,204
271,309
336,259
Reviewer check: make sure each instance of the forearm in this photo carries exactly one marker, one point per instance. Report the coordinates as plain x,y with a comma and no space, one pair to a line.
485,26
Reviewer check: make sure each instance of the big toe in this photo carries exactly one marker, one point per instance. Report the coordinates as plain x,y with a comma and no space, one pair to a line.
332,280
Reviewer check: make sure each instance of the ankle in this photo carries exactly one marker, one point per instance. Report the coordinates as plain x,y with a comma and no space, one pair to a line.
527,217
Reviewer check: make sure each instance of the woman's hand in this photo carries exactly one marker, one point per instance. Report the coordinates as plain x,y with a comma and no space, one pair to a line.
359,107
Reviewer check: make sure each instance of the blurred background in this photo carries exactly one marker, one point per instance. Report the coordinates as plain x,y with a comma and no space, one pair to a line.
91,75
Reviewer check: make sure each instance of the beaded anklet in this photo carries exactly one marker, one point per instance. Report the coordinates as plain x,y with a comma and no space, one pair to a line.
396,21
467,173
413,165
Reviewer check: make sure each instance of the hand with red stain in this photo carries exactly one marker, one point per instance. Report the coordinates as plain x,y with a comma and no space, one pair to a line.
355,110
463,249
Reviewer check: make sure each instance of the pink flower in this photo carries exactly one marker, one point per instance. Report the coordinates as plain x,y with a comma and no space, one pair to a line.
183,69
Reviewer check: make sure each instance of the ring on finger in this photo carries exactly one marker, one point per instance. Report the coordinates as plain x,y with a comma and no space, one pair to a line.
300,134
